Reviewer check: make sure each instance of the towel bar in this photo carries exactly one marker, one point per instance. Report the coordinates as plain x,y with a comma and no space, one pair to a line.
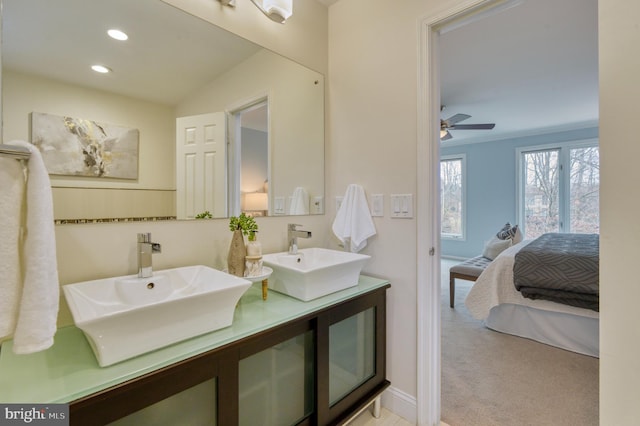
17,152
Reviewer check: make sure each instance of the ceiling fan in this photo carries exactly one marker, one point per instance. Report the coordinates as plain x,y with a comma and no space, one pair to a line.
451,124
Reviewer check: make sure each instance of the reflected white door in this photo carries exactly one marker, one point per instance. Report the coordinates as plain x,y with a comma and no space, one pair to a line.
200,165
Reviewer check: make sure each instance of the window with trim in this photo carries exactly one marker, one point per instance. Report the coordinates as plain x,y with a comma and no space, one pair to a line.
559,188
452,197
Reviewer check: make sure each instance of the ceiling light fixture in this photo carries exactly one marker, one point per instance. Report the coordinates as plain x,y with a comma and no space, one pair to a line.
117,34
276,10
101,69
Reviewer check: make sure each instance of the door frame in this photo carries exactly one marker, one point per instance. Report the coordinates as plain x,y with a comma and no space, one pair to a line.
234,143
428,205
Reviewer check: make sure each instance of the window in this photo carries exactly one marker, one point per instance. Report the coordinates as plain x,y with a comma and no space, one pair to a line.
452,199
559,189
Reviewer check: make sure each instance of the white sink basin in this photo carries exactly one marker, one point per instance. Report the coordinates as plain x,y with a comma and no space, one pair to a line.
314,272
123,317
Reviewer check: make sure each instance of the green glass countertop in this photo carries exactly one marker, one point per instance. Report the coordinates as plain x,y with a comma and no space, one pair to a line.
69,370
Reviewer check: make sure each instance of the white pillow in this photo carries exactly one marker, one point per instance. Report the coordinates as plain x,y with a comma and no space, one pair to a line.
495,246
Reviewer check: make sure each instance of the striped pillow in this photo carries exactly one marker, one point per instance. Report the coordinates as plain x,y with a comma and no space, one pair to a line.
507,232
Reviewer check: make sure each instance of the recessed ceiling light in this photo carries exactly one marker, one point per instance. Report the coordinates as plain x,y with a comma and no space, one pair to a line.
101,69
117,34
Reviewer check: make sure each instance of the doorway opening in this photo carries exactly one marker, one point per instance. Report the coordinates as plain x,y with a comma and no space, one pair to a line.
248,158
429,229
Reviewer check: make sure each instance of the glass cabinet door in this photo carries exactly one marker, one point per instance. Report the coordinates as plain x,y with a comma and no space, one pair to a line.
193,406
276,384
352,350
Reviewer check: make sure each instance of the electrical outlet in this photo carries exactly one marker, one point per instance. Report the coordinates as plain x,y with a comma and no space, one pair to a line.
318,205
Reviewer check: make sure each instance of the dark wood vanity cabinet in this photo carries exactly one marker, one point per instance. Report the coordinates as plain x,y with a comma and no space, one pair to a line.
317,369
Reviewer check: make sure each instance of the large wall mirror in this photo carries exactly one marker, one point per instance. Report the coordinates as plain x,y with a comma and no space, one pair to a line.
223,125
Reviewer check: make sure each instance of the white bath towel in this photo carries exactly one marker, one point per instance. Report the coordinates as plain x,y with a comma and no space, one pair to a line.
12,181
353,222
38,290
299,202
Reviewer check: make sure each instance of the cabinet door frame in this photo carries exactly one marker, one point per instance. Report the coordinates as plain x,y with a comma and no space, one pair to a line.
258,343
341,411
126,398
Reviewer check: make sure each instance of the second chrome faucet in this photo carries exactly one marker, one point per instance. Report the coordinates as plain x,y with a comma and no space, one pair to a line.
292,237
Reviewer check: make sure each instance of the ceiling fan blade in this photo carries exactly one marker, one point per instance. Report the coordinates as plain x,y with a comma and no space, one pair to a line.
446,137
486,126
455,119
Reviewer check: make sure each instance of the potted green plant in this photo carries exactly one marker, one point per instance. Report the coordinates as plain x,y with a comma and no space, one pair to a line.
240,226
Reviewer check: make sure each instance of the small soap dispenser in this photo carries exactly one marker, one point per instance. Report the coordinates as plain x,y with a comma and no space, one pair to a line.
254,256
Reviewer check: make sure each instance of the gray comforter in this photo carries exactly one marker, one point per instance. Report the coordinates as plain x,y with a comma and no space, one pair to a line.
562,268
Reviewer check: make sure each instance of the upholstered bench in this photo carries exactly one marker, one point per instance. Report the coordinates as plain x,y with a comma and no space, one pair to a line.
469,270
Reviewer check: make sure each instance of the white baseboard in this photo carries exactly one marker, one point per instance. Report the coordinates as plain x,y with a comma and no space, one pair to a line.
400,403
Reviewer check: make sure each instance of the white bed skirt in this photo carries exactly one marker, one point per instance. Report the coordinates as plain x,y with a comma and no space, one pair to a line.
571,332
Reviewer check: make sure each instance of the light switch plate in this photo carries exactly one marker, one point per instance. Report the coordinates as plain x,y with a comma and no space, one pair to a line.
377,205
402,206
278,205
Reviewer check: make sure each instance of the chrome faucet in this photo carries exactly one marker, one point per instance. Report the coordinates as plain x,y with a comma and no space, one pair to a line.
292,237
145,249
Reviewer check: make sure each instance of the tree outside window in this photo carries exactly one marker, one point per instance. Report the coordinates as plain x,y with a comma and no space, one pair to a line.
560,190
452,197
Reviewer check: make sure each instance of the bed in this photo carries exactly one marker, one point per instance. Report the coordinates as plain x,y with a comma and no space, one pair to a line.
495,300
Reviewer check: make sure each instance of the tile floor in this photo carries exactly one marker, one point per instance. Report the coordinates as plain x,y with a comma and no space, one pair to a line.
387,418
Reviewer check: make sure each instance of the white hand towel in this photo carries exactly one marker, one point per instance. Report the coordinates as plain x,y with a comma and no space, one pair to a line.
353,221
39,291
11,198
299,202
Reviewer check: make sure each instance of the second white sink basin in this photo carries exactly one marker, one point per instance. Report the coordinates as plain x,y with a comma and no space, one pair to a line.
123,317
314,272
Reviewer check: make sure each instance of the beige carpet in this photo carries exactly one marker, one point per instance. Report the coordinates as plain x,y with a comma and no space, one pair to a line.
491,378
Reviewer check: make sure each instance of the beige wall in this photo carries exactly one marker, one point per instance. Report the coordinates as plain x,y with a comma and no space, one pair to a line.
23,94
619,205
151,194
372,109
303,38
295,111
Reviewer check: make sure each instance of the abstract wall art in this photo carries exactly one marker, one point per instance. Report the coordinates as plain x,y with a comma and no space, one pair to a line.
79,147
